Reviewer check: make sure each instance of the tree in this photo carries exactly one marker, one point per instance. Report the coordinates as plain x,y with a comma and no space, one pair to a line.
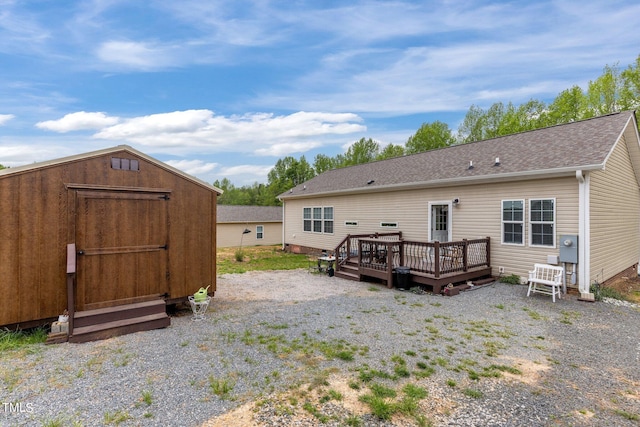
568,106
2,167
289,172
472,127
323,163
430,136
361,151
389,151
604,92
630,91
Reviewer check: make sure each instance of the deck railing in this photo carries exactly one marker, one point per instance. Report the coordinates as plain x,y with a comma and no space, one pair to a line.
379,255
349,247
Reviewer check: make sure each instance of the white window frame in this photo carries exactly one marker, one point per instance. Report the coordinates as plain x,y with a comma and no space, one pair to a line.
542,222
503,222
317,220
259,231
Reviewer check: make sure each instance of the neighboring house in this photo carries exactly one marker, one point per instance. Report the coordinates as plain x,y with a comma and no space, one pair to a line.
528,192
103,234
263,222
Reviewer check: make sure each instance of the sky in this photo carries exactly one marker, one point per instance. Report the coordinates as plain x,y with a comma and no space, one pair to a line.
224,89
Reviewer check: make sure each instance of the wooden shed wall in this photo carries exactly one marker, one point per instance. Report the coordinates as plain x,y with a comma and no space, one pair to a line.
36,225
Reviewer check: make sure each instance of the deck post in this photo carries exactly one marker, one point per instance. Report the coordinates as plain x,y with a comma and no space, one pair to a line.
436,256
488,251
465,255
389,265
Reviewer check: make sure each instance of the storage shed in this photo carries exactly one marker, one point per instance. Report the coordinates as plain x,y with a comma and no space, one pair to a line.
112,236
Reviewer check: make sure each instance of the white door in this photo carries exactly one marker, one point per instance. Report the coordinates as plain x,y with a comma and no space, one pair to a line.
440,221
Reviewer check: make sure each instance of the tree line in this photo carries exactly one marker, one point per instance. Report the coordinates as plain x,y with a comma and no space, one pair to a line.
615,90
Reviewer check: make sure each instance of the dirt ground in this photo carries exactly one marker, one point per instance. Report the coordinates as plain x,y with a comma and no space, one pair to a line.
627,286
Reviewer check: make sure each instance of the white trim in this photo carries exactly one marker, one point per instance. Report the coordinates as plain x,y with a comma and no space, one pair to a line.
449,218
524,222
584,235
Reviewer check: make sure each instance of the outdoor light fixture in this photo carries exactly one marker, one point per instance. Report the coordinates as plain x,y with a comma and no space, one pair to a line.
246,231
456,201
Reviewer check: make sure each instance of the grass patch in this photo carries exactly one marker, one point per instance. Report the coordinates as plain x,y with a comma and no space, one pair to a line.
258,258
476,394
512,279
220,386
17,340
117,417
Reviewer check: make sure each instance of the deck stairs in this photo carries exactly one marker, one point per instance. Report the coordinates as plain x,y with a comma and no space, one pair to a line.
103,323
349,270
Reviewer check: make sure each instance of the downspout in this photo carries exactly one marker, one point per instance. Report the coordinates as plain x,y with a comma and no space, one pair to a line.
283,222
584,261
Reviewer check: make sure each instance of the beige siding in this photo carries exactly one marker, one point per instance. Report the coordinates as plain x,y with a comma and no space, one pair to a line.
615,226
229,234
477,215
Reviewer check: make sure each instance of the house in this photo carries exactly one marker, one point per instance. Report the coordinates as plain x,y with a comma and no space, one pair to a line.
112,236
263,222
567,194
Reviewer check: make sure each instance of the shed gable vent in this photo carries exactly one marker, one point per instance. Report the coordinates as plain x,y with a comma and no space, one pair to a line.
125,164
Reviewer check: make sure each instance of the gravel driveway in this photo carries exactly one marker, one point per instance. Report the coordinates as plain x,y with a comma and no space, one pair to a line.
294,348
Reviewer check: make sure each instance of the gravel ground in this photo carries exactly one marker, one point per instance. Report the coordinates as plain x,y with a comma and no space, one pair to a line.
273,341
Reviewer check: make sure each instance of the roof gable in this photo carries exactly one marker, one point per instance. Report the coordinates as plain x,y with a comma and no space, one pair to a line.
243,213
107,151
553,151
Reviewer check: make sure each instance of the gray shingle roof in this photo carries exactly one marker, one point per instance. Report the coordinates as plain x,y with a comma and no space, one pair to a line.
236,213
550,151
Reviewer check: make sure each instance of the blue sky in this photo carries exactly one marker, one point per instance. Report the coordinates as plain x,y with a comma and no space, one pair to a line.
226,88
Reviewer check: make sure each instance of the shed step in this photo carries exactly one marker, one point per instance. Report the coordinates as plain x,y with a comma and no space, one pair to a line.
119,327
119,312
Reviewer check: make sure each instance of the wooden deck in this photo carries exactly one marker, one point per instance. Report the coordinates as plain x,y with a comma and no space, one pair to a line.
430,264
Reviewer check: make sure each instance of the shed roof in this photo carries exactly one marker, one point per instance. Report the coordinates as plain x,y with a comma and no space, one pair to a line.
106,151
554,151
243,214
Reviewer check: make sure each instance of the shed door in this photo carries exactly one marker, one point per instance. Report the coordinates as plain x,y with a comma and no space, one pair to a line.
122,244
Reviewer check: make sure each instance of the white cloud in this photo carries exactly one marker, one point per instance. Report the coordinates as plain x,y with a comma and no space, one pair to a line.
4,118
137,55
193,167
78,121
256,133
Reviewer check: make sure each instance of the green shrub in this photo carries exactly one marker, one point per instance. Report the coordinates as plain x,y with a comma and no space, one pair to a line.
512,279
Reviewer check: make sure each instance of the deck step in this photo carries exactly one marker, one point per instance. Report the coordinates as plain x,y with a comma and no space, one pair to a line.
108,322
346,274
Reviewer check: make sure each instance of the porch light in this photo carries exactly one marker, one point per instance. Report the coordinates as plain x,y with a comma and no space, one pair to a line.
456,201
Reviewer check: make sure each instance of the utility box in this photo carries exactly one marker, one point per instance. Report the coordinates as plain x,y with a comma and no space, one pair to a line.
569,248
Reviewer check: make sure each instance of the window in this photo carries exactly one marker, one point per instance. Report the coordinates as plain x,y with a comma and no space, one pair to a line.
306,219
351,223
318,219
328,220
389,224
259,232
513,222
542,217
125,164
